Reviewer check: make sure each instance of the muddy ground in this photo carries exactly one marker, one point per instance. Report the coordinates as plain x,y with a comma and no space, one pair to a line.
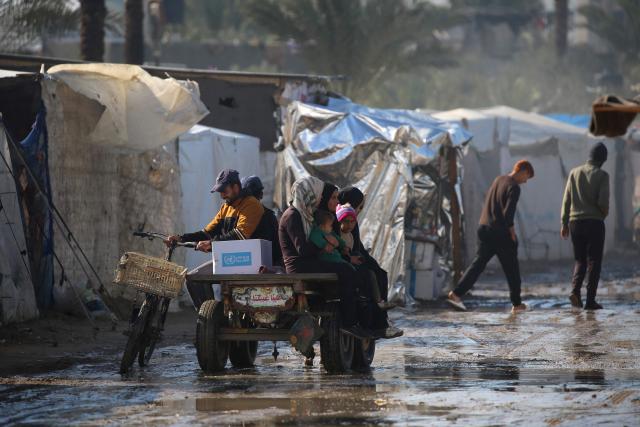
552,365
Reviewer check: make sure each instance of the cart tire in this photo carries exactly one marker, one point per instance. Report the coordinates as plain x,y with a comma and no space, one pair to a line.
363,354
212,353
136,332
242,354
336,348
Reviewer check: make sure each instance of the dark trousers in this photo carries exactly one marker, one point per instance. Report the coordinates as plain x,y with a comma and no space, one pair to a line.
373,317
494,242
348,278
587,236
199,291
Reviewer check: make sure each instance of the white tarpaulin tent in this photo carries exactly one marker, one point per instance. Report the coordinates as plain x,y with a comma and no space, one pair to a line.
204,151
17,297
110,176
503,135
126,97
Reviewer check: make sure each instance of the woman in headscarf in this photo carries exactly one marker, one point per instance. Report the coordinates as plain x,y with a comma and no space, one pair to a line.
329,199
301,256
380,322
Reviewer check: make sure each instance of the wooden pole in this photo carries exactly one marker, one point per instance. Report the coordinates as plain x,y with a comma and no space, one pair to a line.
456,225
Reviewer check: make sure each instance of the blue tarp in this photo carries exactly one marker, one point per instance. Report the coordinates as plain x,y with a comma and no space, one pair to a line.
34,207
579,120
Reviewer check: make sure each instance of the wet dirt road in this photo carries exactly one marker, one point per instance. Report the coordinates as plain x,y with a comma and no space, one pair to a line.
550,366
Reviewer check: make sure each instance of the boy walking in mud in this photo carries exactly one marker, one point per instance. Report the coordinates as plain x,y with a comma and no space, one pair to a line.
497,236
584,207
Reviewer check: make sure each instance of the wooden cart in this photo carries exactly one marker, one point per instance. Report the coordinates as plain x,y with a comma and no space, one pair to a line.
299,308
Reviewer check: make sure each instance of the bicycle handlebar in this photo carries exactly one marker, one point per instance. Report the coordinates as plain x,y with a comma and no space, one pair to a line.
163,237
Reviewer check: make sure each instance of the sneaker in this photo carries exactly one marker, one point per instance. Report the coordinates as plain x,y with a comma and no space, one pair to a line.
519,308
391,332
456,302
358,332
576,301
386,305
592,306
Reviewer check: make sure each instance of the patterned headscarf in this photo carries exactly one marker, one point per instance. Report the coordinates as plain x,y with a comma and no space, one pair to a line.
306,193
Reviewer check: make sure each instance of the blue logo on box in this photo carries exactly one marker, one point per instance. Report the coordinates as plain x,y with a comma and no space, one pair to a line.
236,259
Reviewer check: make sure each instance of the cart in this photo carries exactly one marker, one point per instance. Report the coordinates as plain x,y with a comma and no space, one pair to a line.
299,308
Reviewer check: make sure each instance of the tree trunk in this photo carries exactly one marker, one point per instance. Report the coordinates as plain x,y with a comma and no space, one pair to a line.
92,15
562,16
133,32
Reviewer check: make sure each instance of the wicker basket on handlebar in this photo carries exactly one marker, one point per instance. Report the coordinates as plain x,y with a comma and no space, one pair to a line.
150,274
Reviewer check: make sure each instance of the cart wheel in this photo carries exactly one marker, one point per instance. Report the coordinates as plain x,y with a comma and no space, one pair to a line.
363,353
336,348
212,353
242,354
136,332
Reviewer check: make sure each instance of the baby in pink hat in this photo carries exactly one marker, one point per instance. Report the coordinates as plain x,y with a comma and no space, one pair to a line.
347,218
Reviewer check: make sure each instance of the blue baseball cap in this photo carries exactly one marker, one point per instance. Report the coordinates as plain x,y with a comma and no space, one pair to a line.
225,178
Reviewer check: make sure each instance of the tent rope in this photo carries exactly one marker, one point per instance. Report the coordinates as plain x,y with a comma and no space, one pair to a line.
63,276
66,233
15,238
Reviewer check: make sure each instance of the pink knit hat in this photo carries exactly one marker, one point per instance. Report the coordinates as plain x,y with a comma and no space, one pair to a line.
343,211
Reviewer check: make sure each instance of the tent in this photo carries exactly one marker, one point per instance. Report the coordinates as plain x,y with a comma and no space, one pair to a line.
393,156
502,135
204,151
111,171
17,295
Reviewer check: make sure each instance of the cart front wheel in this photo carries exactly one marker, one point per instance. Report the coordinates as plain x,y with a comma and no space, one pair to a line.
336,348
212,353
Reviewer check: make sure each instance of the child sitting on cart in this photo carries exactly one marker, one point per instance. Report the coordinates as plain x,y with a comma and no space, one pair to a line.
319,233
347,220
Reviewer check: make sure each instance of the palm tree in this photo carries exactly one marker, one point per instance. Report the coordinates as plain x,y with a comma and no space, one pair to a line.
22,23
92,17
133,32
368,41
562,16
621,31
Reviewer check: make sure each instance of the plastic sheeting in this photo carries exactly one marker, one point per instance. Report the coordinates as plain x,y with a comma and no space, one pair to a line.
106,191
36,217
382,152
131,110
204,151
17,296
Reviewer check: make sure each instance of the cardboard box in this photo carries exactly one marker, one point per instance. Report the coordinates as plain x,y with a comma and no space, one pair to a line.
425,284
241,256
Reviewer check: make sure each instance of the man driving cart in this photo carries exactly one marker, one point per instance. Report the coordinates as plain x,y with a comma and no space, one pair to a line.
237,219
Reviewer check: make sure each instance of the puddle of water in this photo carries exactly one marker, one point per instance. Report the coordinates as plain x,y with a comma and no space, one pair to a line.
485,367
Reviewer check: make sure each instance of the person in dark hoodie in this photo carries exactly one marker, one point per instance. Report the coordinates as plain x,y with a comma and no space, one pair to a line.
267,228
368,264
585,205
